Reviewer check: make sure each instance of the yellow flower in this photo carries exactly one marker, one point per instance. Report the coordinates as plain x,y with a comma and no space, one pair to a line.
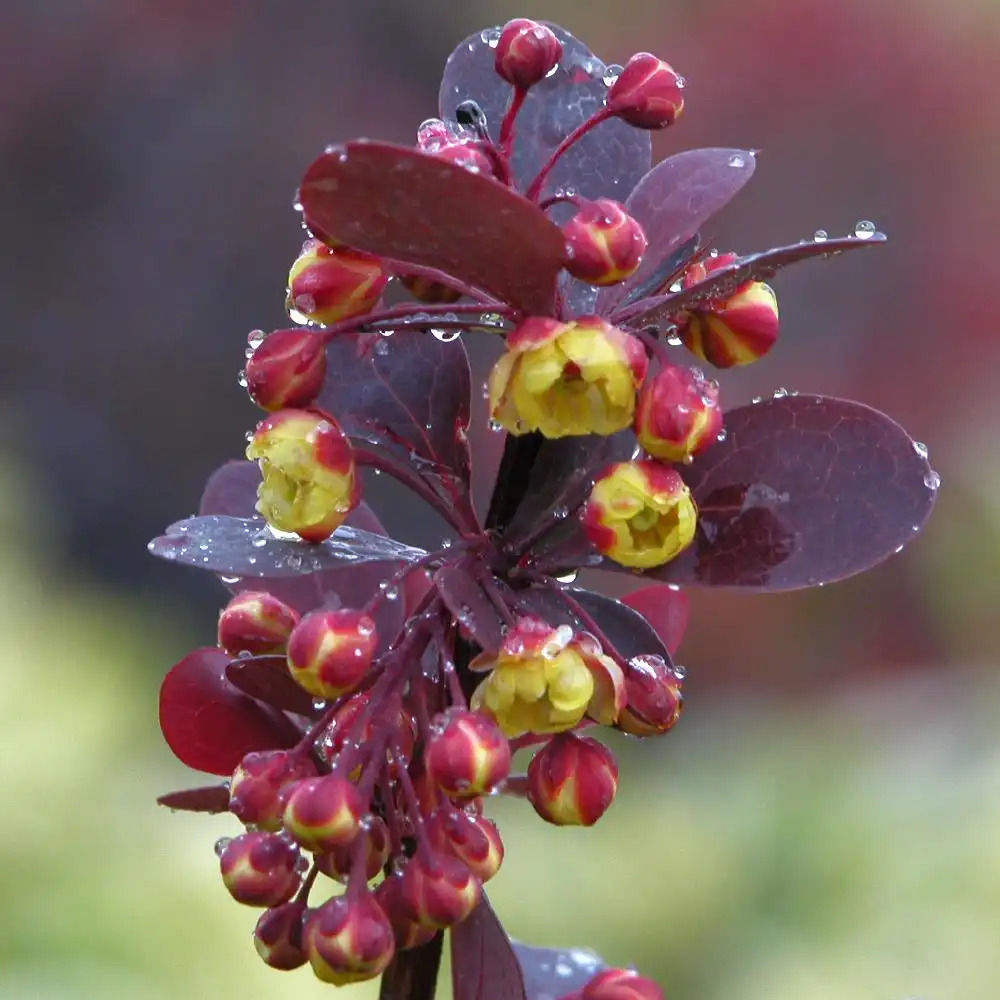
640,514
567,378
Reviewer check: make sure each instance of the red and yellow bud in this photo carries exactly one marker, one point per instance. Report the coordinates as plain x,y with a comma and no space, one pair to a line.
286,369
278,936
256,622
324,813
260,869
309,484
734,331
374,838
648,93
567,378
438,890
466,755
408,933
331,652
572,780
328,284
257,790
353,723
604,244
348,939
640,514
653,697
678,414
471,838
428,290
621,984
526,52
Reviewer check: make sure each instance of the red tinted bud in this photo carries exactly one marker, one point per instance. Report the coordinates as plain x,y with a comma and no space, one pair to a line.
348,939
260,869
473,839
256,791
648,93
437,890
331,652
621,984
286,369
375,845
604,244
324,813
526,52
278,936
467,755
467,155
678,414
408,933
327,284
256,622
427,290
352,723
572,780
653,697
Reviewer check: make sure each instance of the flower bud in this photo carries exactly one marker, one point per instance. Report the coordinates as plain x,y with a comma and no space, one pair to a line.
286,369
374,837
678,414
348,939
256,622
572,780
733,331
466,755
256,793
324,813
653,697
640,514
471,838
526,52
604,244
621,984
353,723
331,652
278,936
648,93
260,869
428,290
309,484
328,284
438,890
407,932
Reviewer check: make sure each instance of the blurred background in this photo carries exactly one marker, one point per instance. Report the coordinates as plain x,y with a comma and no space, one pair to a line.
824,822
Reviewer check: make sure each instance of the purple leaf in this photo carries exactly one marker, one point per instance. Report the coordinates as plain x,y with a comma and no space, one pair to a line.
483,963
210,799
413,207
666,608
208,723
463,595
673,201
267,679
726,280
550,973
606,163
804,490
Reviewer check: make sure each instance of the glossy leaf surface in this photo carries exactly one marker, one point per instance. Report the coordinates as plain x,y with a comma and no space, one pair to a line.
208,723
483,963
667,609
804,490
673,201
551,973
463,594
267,679
416,208
413,974
607,163
209,799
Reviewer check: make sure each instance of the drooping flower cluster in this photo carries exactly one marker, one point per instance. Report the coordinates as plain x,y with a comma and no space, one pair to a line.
365,698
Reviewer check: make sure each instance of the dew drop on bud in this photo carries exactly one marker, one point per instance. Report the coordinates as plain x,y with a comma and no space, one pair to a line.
611,73
864,230
221,844
932,481
820,236
255,339
680,672
921,449
242,378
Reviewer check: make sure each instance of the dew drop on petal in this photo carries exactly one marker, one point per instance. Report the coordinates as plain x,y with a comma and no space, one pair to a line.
864,230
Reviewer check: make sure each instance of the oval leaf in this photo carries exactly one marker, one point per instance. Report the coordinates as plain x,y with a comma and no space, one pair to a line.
804,490
208,723
414,207
267,679
483,963
550,973
211,799
412,974
666,608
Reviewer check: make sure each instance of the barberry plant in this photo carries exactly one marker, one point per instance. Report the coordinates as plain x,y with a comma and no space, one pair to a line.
366,697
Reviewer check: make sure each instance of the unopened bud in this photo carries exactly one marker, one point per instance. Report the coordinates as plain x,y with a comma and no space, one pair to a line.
348,939
467,755
256,622
473,839
287,369
621,984
328,284
653,697
256,793
572,780
260,869
331,652
648,93
438,890
604,244
678,414
407,932
526,52
324,813
372,841
278,936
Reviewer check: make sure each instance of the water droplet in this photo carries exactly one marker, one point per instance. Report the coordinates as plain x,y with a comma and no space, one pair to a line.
674,340
446,336
864,230
389,591
552,72
722,435
381,347
757,399
495,427
569,577
780,393
898,549
242,378
259,543
921,449
221,844
560,512
680,672
230,581
490,36
932,480
611,73
737,160
255,339
820,236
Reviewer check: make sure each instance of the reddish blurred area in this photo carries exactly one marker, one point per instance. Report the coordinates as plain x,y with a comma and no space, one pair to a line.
149,155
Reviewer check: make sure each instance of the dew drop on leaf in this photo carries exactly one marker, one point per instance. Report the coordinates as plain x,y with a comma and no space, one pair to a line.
490,36
864,230
738,161
446,336
932,480
611,73
820,236
921,449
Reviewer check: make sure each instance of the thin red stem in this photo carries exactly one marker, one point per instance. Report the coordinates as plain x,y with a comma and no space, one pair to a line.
507,130
535,189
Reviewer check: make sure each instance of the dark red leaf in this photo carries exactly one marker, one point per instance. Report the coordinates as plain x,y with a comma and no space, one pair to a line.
483,963
556,972
412,974
673,201
414,207
666,608
804,490
267,679
211,799
607,163
208,723
459,587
